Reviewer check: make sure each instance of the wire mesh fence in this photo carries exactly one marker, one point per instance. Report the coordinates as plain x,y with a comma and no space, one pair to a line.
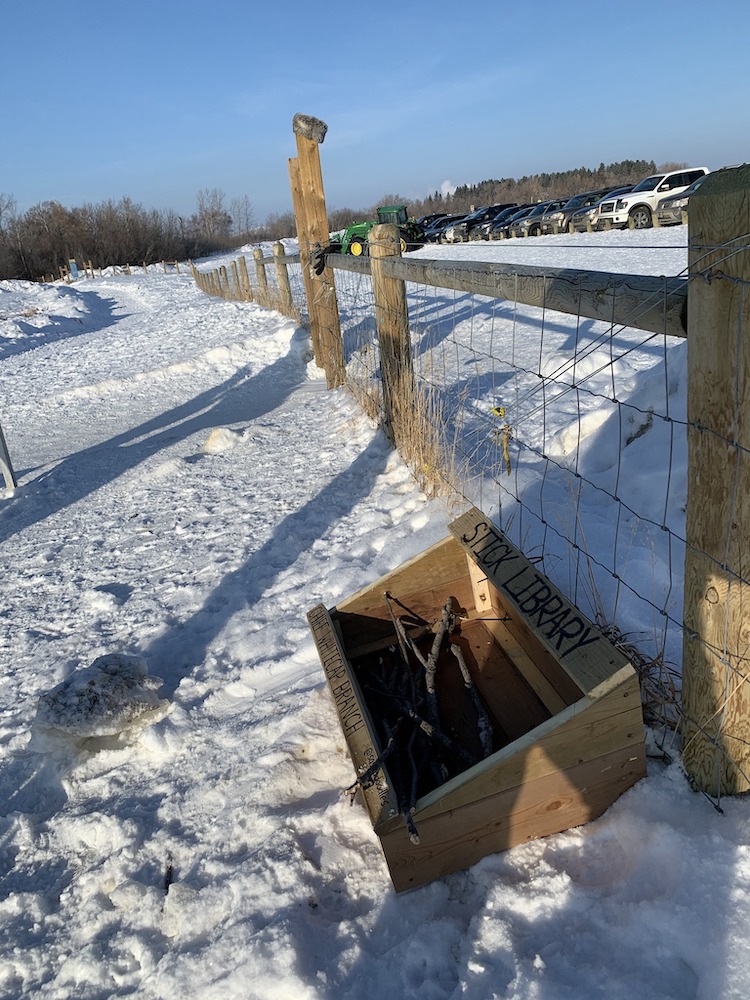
569,432
564,405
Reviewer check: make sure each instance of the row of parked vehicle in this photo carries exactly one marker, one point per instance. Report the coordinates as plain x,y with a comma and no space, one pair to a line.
662,197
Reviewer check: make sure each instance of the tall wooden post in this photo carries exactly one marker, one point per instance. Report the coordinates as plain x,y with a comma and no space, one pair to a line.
313,219
716,649
304,253
392,320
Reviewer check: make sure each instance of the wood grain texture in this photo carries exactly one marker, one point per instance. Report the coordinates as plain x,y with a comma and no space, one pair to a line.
538,807
652,304
321,288
716,693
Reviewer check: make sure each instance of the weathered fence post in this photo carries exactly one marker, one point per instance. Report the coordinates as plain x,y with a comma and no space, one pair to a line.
392,320
247,290
304,254
226,291
313,223
282,276
236,281
6,465
716,666
260,272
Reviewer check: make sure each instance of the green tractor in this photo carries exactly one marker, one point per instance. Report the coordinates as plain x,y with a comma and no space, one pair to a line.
354,238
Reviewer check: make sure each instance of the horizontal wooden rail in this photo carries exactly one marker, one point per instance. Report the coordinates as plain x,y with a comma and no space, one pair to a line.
653,304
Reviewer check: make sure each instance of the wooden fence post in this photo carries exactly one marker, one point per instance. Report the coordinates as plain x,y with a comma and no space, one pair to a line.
247,289
322,304
226,291
716,667
6,466
282,276
392,321
260,272
236,281
304,254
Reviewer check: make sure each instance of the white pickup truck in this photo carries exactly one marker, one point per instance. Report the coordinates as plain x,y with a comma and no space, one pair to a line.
639,205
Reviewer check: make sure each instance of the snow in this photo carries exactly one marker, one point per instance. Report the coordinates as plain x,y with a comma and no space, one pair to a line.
188,489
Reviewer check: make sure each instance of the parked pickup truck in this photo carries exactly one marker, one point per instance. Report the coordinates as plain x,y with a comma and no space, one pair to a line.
638,207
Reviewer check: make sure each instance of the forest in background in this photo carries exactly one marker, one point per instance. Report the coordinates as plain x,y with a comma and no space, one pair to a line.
35,244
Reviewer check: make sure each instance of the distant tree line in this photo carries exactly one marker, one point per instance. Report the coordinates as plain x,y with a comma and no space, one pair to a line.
36,243
535,187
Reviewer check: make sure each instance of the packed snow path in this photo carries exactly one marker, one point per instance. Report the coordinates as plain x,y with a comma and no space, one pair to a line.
188,490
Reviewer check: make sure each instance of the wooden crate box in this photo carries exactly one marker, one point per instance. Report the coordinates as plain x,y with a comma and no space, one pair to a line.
534,724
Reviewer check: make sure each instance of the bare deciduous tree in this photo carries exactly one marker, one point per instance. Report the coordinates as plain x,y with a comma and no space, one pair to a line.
212,219
243,217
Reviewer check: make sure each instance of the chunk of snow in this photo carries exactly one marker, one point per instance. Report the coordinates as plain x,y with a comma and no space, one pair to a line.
114,697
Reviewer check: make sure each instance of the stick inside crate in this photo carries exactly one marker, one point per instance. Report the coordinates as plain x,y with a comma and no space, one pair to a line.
435,710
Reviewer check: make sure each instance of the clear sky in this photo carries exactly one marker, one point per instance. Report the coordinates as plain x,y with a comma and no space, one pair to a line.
157,99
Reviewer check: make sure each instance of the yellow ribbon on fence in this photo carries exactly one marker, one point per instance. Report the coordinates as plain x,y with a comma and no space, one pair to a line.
499,411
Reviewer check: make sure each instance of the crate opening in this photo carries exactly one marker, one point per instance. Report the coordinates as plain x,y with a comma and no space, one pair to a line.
471,720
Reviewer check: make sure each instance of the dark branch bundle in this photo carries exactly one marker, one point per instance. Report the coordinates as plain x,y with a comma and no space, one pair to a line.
403,692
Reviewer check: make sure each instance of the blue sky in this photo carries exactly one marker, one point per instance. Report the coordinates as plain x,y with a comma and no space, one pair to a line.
157,99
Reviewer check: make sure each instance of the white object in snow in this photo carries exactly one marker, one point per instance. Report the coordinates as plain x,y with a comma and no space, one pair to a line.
114,697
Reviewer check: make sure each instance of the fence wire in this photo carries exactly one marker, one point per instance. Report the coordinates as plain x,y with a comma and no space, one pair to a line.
572,434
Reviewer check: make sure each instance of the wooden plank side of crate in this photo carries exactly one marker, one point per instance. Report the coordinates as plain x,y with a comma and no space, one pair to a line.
584,731
354,717
453,840
574,642
555,696
423,583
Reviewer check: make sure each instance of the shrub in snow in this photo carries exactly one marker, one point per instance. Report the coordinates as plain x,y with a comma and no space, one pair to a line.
104,705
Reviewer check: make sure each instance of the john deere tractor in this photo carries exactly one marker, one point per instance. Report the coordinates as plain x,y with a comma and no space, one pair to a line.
354,238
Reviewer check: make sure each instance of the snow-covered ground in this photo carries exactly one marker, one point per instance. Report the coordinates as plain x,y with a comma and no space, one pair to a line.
188,490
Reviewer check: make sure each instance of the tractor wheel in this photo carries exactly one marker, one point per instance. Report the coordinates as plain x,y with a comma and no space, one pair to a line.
357,248
404,246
